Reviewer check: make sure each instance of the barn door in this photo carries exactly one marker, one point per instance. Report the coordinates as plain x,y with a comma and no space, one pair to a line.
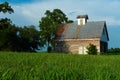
82,50
85,50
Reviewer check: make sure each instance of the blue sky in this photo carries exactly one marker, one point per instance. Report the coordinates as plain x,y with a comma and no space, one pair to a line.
20,1
29,12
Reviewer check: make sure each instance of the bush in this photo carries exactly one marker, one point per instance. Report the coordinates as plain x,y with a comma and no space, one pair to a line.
91,49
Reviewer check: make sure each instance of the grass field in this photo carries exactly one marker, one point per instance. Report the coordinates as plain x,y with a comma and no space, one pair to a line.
44,66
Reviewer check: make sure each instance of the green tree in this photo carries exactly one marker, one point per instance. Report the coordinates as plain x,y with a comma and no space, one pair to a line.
114,50
28,39
5,7
8,38
5,24
20,39
13,38
91,49
49,25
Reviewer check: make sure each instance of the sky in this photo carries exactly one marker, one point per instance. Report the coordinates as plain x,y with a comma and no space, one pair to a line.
29,12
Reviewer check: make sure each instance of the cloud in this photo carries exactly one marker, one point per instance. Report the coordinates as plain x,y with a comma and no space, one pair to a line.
31,13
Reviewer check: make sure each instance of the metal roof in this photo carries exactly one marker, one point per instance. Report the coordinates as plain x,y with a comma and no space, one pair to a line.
75,31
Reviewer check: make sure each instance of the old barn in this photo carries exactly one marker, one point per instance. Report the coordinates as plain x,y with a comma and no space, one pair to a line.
75,37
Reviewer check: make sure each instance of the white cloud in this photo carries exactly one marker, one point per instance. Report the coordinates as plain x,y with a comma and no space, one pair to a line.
31,13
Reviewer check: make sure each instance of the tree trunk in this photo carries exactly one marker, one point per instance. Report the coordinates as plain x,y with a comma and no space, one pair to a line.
48,48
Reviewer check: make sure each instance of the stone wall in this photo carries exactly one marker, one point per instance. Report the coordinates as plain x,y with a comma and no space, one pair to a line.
76,46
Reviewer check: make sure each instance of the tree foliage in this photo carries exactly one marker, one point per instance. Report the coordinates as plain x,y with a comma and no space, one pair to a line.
91,49
5,7
5,26
8,38
28,39
49,25
13,38
114,50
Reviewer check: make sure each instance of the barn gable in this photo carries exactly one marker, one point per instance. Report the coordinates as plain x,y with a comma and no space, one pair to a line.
104,36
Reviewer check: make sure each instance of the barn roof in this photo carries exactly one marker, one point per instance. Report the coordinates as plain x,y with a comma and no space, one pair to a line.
75,31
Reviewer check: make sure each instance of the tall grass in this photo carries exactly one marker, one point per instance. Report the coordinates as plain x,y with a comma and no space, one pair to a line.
44,66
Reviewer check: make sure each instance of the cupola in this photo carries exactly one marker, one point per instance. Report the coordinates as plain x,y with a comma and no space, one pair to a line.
82,19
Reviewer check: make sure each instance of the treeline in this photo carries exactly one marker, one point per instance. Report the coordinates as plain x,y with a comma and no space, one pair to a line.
16,38
114,50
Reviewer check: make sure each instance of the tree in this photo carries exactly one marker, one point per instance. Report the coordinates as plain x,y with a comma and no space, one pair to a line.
5,25
9,38
13,38
19,39
28,39
5,7
50,24
91,49
114,50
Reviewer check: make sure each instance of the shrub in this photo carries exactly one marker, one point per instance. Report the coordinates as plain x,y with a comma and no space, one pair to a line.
91,49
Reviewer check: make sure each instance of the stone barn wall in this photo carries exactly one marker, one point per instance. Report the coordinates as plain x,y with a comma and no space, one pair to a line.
75,46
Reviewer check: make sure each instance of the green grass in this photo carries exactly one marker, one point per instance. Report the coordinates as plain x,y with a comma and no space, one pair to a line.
44,66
